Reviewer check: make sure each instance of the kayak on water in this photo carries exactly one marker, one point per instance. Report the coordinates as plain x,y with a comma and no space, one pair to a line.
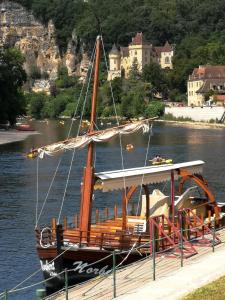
162,162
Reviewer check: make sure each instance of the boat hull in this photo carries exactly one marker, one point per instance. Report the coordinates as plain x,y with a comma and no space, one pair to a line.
82,265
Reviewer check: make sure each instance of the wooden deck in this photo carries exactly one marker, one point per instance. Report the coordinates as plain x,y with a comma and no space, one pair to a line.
133,276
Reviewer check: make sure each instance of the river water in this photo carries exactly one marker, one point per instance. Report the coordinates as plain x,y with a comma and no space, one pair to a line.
18,185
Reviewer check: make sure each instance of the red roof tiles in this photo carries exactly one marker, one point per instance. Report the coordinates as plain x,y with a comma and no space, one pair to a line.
139,39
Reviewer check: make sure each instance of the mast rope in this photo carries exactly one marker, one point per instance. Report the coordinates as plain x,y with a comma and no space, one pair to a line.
117,120
69,132
74,151
120,138
142,178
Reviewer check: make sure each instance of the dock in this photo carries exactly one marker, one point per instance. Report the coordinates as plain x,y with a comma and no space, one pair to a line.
134,278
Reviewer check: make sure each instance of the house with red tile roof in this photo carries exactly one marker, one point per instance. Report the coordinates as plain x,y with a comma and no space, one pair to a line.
206,80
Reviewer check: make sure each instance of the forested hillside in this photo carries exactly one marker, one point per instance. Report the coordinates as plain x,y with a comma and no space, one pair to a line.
196,27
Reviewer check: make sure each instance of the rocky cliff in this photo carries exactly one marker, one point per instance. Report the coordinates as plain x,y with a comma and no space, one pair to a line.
19,28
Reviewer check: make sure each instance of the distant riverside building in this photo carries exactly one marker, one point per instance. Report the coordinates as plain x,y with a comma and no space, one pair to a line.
203,81
140,52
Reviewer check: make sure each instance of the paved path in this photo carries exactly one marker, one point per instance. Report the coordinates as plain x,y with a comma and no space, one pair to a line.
11,136
183,281
172,281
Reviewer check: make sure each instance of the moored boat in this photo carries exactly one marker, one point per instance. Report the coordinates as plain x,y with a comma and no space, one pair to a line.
86,247
24,127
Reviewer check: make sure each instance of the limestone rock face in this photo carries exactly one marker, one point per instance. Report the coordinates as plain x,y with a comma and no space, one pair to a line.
19,28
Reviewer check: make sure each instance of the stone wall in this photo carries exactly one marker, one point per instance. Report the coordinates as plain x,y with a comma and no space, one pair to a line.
204,114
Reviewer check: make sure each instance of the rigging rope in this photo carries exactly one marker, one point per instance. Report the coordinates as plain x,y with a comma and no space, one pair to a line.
146,157
69,132
117,120
74,151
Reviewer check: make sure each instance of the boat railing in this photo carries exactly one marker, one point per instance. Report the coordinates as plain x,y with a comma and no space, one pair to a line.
102,238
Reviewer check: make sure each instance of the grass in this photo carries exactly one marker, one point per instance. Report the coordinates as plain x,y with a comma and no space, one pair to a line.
212,291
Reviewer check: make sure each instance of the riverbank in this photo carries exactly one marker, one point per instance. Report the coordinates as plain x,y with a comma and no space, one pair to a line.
12,136
190,124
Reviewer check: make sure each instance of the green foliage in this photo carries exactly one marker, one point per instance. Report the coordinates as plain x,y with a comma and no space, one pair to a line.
153,74
64,80
211,291
170,117
36,104
12,77
154,108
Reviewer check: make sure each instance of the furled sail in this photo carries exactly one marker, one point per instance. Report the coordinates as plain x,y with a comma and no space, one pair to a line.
97,136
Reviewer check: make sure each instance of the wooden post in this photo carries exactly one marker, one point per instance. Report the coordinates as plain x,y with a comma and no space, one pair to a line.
59,238
115,212
54,224
147,205
96,216
124,210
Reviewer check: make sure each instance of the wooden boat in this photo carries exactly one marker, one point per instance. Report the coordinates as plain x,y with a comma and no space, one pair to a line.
24,127
85,248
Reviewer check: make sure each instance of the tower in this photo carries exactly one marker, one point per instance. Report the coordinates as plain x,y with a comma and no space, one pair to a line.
114,63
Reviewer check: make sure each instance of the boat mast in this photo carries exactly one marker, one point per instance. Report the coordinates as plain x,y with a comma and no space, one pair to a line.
88,179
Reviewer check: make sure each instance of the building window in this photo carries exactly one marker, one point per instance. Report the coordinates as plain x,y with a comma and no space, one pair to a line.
167,60
146,59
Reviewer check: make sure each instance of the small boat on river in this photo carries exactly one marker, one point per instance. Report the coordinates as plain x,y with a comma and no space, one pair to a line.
24,127
85,248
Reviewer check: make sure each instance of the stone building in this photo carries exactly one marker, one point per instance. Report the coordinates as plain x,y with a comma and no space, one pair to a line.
206,80
140,52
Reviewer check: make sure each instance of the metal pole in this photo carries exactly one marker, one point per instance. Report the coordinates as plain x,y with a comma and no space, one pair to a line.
6,294
66,285
114,274
153,249
214,235
181,241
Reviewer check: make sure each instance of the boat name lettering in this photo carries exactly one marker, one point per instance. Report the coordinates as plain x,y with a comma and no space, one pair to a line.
82,267
48,267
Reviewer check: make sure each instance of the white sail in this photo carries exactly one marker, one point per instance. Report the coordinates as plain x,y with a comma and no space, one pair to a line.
98,137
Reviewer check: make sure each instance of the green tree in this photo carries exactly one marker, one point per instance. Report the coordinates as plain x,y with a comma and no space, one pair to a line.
153,74
12,77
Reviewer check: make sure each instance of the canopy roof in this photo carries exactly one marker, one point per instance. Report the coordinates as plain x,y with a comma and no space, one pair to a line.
113,180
